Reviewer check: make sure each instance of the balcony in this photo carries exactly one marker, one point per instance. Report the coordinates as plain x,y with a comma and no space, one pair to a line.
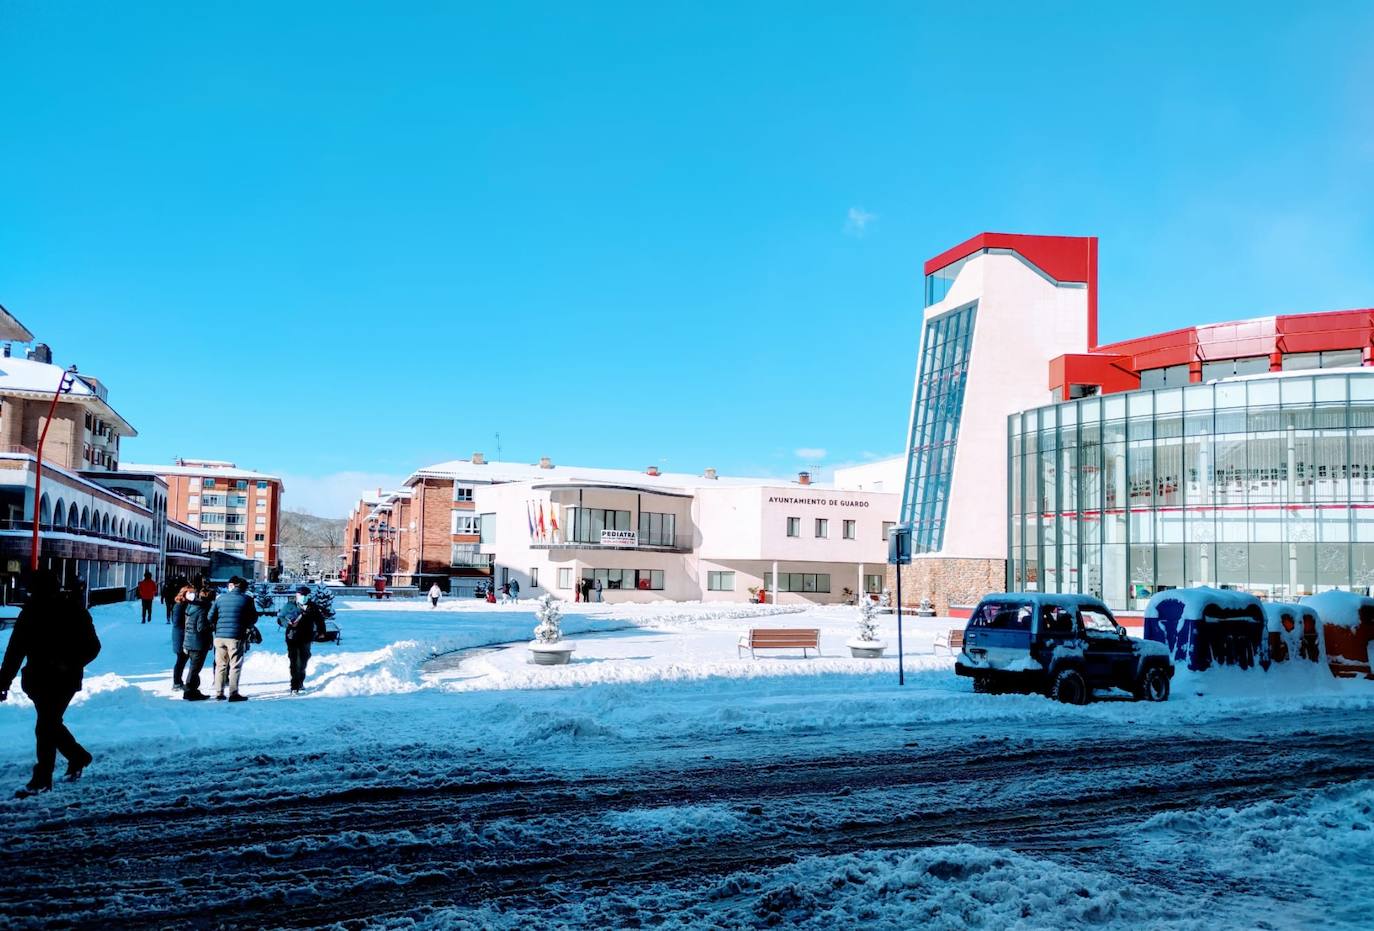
679,543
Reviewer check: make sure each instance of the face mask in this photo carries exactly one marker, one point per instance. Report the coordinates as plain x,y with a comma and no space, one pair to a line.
302,599
190,596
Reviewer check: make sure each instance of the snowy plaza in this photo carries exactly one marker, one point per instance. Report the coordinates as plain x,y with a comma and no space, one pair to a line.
431,776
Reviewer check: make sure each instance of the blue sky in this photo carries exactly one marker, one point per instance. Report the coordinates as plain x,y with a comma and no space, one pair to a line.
339,241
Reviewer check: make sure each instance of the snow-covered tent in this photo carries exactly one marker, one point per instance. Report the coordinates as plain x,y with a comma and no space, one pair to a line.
1294,633
1206,626
1347,629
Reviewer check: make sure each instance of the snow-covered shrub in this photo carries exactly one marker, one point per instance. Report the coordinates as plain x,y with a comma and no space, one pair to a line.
324,600
262,599
868,620
550,614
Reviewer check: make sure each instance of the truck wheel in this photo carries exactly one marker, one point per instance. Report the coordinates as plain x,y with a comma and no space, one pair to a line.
1153,685
1068,687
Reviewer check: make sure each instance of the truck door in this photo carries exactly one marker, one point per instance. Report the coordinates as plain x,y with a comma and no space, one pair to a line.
1109,657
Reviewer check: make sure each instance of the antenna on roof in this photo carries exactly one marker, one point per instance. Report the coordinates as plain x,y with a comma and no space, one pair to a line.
498,448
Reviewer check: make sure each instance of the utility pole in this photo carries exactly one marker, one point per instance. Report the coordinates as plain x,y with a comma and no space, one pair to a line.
64,386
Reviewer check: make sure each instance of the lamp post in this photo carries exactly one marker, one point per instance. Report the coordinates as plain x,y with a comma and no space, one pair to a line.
64,386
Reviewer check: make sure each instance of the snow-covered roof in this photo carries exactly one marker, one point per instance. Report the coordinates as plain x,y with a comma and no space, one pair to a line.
28,378
464,470
11,330
1196,600
229,470
1340,608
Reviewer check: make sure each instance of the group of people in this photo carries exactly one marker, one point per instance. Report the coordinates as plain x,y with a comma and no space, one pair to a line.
227,625
588,590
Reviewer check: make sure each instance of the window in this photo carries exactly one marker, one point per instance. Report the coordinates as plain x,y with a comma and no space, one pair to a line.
534,577
241,485
848,529
468,556
212,517
235,519
1168,377
587,523
1057,622
798,581
238,501
945,344
262,504
794,526
873,584
1338,358
261,520
487,527
1095,622
207,483
193,502
822,528
656,529
212,501
462,494
1001,615
565,578
642,579
887,529
720,581
467,523
262,486
1225,368
259,538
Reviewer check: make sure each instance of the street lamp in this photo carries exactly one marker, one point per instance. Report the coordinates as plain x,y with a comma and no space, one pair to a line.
64,386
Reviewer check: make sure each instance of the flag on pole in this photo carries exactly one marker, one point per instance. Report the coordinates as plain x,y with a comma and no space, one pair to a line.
542,533
553,519
529,516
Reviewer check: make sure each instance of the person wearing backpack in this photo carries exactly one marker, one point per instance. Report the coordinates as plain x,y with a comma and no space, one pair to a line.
198,640
54,638
303,622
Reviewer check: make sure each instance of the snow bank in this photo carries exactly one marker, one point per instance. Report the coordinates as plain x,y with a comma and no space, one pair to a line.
1343,609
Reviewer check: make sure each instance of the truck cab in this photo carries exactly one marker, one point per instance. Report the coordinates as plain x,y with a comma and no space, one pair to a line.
1065,646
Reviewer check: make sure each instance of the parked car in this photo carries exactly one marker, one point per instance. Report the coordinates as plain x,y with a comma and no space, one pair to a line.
1064,646
1204,626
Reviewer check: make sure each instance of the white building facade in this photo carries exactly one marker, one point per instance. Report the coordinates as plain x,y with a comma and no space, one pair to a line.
649,536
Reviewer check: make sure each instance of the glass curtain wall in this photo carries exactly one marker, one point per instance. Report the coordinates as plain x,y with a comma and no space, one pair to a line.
1260,484
935,425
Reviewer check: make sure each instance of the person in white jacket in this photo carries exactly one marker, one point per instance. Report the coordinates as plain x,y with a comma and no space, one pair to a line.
435,593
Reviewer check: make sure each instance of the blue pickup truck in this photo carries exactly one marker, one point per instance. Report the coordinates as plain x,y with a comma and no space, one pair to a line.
1063,646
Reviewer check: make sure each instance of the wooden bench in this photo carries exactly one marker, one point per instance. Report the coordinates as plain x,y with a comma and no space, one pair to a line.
951,641
780,638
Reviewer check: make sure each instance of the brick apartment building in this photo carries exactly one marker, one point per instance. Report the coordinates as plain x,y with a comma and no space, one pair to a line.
238,511
416,535
95,524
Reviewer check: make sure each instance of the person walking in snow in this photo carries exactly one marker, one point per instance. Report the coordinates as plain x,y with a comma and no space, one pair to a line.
179,635
55,639
198,640
514,591
232,615
147,591
435,593
597,586
170,587
505,592
302,621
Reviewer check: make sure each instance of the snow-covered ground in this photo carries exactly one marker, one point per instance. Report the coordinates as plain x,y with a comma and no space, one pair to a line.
687,737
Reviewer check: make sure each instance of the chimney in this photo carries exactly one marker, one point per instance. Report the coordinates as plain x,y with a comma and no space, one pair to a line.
8,350
710,473
804,478
41,352
479,459
652,470
545,462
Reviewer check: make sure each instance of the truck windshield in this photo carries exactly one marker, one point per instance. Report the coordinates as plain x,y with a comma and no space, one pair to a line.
1095,622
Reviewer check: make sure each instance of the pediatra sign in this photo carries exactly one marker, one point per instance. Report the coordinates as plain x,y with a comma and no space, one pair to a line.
823,502
619,538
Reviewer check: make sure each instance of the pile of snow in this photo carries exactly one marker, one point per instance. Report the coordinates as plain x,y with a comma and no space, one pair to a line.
1342,609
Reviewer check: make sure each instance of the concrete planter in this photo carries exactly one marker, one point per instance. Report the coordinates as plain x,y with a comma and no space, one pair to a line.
551,654
866,649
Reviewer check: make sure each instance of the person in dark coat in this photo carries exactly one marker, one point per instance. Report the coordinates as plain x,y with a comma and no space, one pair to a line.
303,622
198,640
179,635
232,614
170,587
55,639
